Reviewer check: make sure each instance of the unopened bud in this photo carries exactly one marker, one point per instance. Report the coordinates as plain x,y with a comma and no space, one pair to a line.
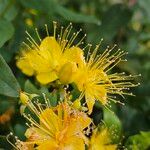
77,104
24,98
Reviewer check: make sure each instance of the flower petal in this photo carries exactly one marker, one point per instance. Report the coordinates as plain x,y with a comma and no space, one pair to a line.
47,77
74,143
90,102
48,145
25,67
50,44
50,121
74,54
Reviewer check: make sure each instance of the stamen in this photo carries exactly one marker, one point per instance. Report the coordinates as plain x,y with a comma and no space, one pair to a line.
37,33
28,47
55,27
46,28
32,41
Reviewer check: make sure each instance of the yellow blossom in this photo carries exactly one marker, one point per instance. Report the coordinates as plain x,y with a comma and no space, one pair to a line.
46,58
100,140
94,80
60,127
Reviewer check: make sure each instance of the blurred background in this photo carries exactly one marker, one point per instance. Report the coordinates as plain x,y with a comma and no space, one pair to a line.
124,22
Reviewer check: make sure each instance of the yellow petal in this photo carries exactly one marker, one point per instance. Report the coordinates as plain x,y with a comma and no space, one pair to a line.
24,145
85,121
90,102
100,140
48,145
38,61
25,67
111,147
45,78
101,94
50,44
66,72
74,143
75,54
50,121
35,135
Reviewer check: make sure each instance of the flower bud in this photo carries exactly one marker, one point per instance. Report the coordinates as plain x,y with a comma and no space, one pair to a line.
24,98
77,104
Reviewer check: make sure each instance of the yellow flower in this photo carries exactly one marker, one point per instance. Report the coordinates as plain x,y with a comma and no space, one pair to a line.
100,140
58,128
94,80
46,58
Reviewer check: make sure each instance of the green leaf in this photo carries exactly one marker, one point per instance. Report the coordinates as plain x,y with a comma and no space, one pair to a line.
114,125
11,13
30,88
8,9
8,83
52,6
5,104
76,17
52,97
6,31
139,142
144,5
19,130
117,16
46,6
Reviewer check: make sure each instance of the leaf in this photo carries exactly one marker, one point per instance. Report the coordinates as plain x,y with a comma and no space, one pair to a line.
114,125
5,104
30,88
144,5
52,97
19,130
117,16
8,9
46,6
133,119
114,19
139,142
6,31
52,6
11,13
75,17
8,83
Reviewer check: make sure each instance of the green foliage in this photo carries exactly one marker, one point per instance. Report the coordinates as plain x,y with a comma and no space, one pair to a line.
139,142
76,17
8,84
114,125
6,30
52,7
